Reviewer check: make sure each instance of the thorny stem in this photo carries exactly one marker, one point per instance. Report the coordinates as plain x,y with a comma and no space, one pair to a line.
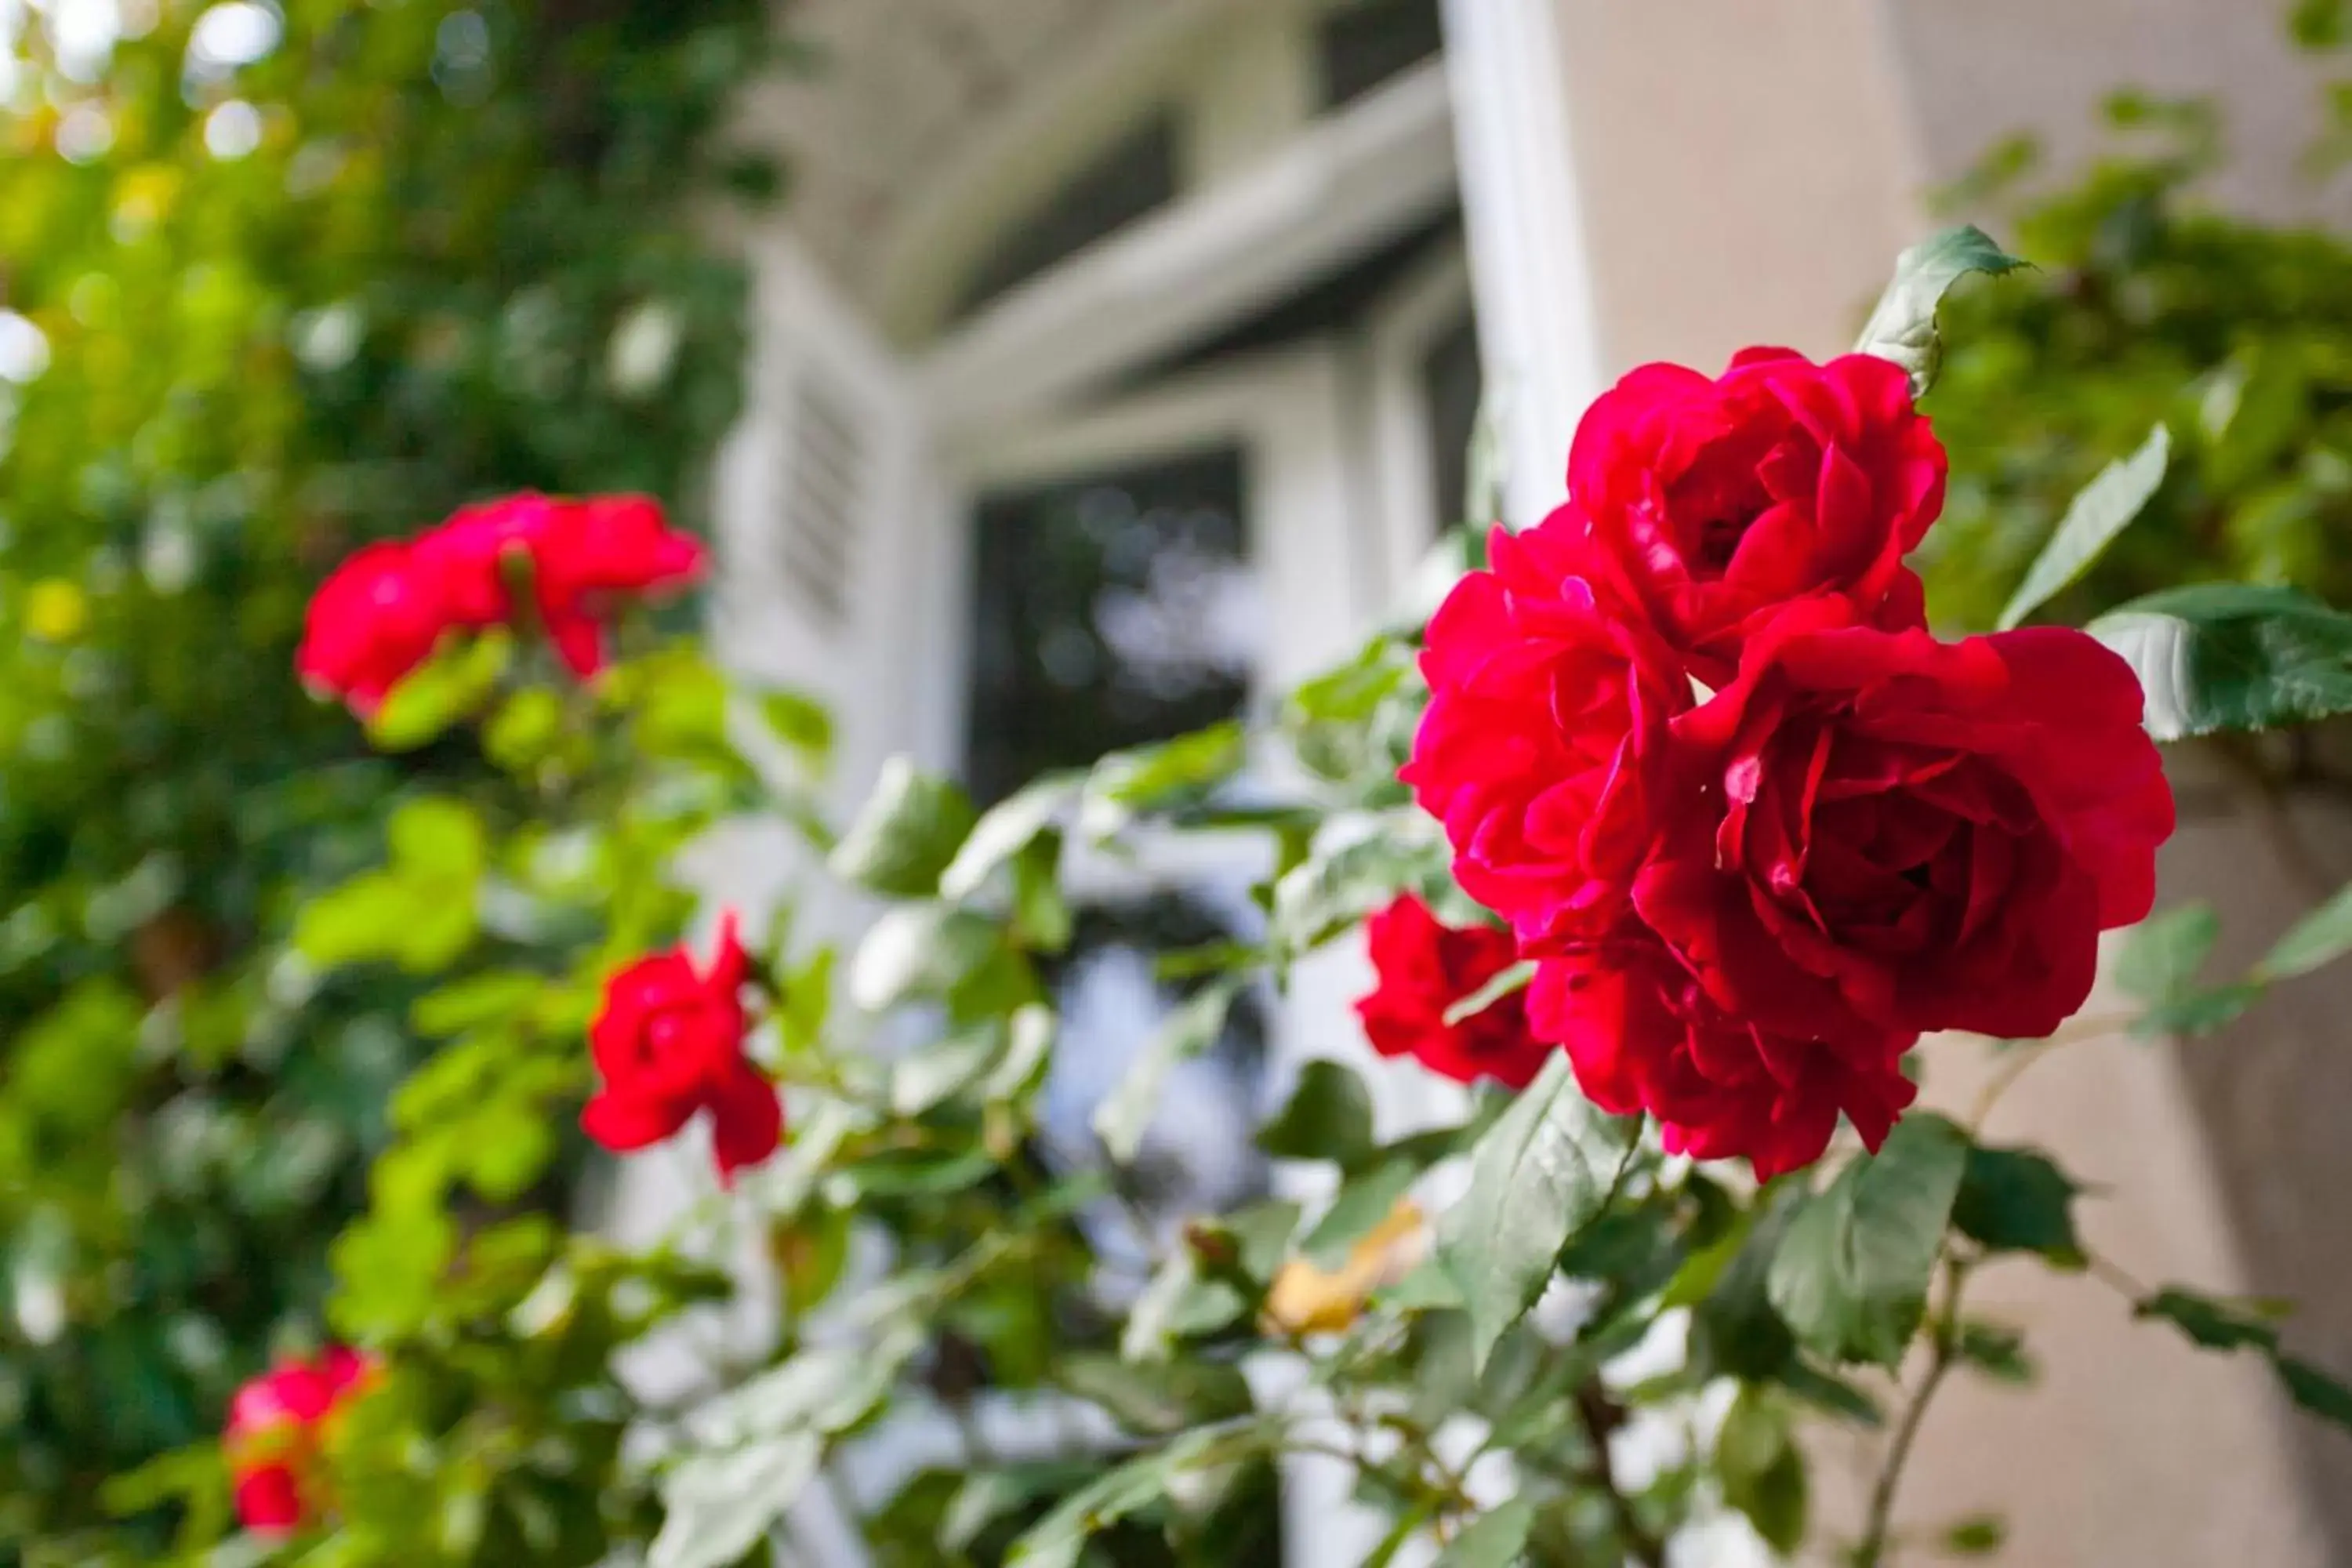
1601,1415
1943,1353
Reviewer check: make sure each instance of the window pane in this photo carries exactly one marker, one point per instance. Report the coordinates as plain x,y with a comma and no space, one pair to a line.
1450,384
1365,42
1132,178
1114,609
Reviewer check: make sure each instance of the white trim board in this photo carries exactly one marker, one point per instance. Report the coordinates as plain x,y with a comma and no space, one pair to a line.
1361,176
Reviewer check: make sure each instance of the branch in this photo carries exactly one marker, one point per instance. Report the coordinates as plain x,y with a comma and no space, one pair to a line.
1943,1353
1601,1415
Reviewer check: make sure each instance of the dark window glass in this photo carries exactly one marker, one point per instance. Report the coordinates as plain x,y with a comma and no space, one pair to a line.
1113,610
1133,177
1364,43
1450,384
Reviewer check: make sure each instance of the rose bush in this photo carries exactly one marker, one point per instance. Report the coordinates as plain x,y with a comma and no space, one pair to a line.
1745,831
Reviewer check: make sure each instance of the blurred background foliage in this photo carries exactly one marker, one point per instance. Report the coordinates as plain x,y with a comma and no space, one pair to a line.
277,278
2152,306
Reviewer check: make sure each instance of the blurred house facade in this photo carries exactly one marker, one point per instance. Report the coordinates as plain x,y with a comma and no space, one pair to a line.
1116,365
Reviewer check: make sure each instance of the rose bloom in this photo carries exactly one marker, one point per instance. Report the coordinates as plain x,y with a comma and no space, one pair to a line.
1424,967
377,616
1715,499
1927,835
274,1436
386,608
584,557
1540,749
668,1043
1644,1037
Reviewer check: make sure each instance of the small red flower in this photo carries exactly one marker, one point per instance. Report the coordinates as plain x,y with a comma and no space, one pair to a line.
1715,499
1541,746
668,1043
1644,1037
1424,967
386,609
1927,835
374,619
274,1436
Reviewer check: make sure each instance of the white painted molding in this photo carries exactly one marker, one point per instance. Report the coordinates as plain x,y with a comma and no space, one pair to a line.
1522,208
1350,181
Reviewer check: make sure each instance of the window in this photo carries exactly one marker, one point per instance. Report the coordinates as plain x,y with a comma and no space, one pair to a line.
1451,388
1113,609
1132,178
1365,43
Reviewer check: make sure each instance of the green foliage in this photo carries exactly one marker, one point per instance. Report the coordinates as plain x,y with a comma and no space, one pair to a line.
1902,328
1546,1169
1852,1274
2216,657
2100,511
2145,306
412,289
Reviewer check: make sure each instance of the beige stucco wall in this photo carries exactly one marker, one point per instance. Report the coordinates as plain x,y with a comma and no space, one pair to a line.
1748,168
1970,72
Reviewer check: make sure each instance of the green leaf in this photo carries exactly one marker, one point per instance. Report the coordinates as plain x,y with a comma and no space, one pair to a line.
2099,512
2212,1323
1494,1540
2219,1325
1126,784
1124,1114
2199,1012
1903,326
1978,1537
2319,938
716,1506
1332,890
1998,1352
919,950
1059,1540
1328,1117
1543,1171
2314,1390
1504,983
1852,1274
1007,829
446,689
801,721
942,1070
1156,1398
475,1001
2160,959
1176,1303
2018,1200
1363,1202
1762,1471
2232,656
907,833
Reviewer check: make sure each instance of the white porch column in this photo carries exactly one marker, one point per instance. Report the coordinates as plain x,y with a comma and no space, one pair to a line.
1521,205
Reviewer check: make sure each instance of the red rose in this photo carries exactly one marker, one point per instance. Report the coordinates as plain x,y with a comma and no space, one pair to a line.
274,1434
1644,1037
1929,835
1715,499
385,609
1424,968
585,556
669,1042
595,553
375,618
1540,749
